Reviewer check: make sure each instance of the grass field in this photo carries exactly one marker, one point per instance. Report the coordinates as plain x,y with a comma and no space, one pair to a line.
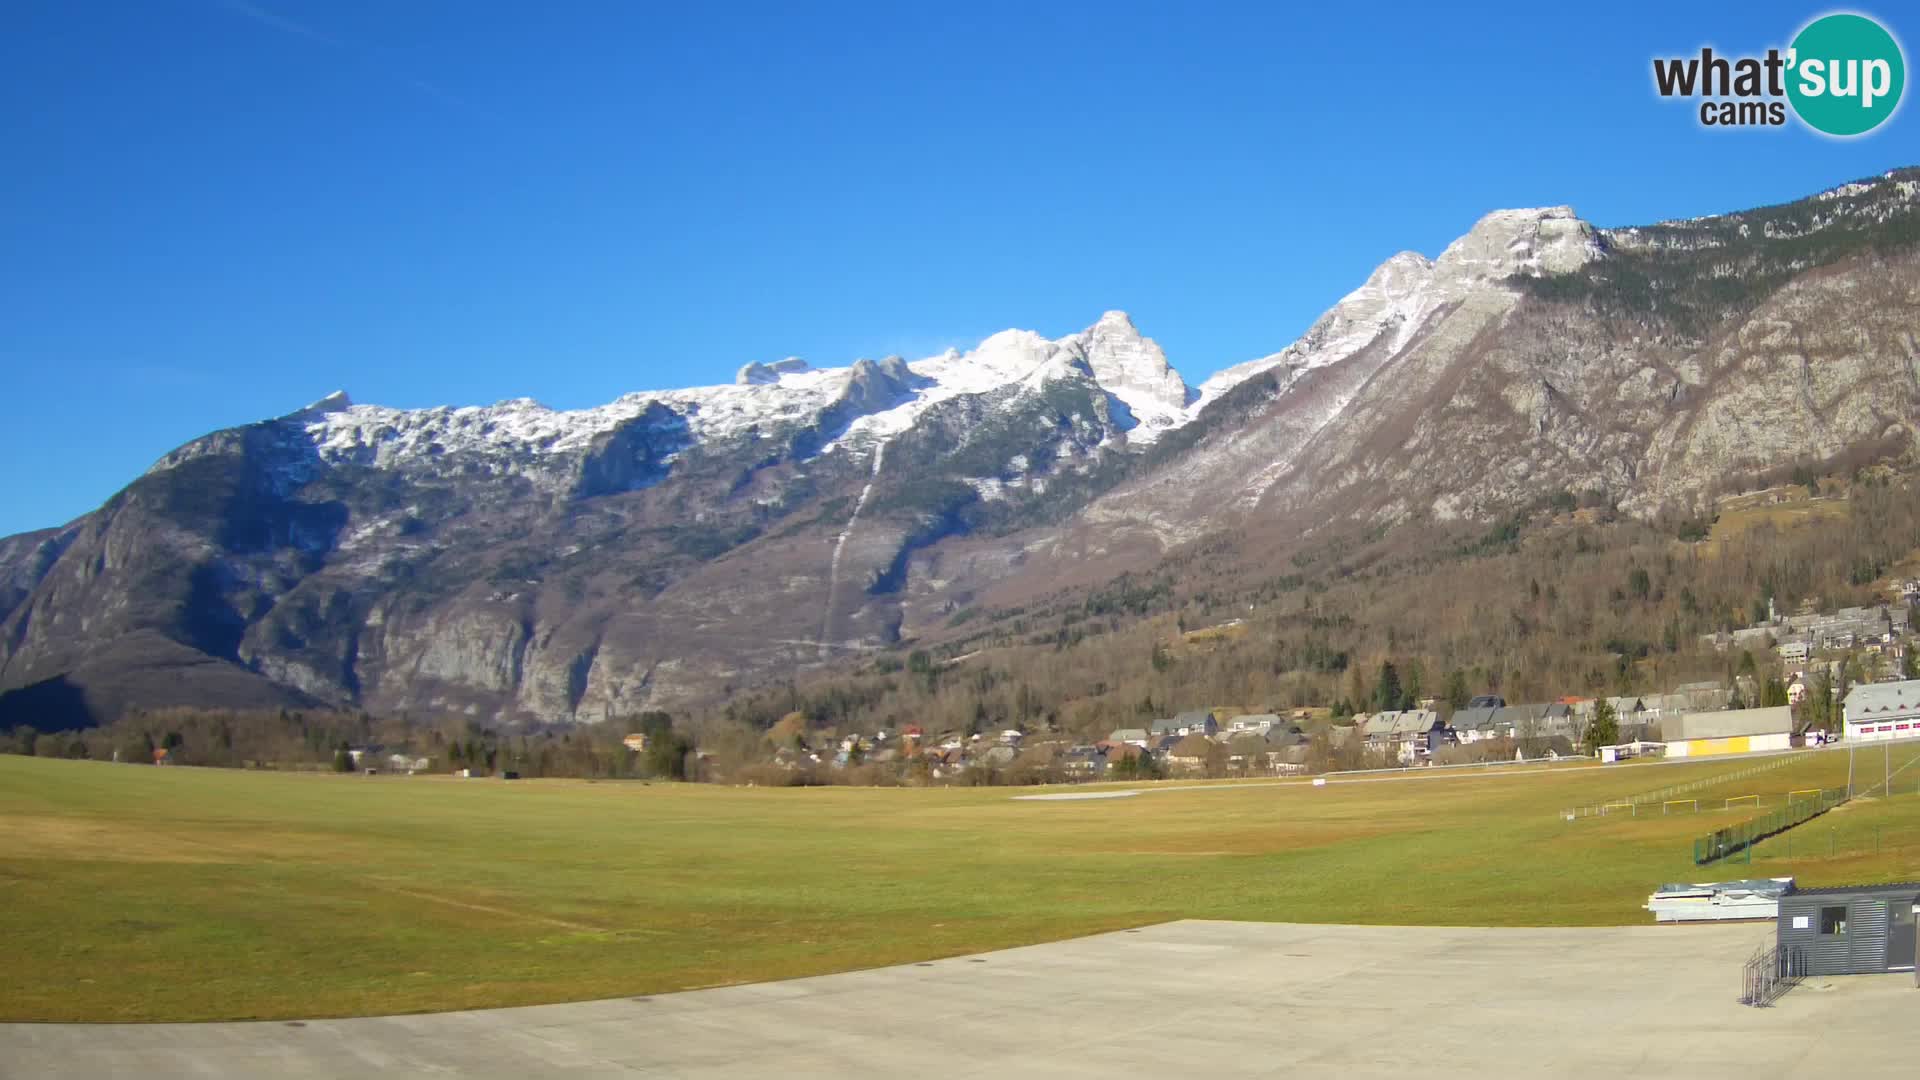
1735,520
180,894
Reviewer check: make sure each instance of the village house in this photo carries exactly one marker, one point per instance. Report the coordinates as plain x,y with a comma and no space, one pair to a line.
1131,736
1550,748
1376,729
1253,722
1632,716
1418,734
1473,723
1190,753
1083,762
1563,719
1196,722
1248,752
1513,721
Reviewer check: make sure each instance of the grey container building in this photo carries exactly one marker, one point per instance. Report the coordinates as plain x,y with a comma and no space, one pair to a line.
1849,929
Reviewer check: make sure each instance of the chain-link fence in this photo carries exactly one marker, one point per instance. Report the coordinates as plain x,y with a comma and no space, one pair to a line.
1734,839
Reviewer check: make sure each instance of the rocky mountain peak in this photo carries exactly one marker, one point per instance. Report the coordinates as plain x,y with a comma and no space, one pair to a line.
338,401
1542,240
758,374
1131,366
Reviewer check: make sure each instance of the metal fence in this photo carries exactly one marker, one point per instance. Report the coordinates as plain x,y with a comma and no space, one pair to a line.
1734,839
1769,973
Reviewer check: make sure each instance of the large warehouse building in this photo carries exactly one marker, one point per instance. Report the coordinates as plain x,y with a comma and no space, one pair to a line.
1728,731
1889,710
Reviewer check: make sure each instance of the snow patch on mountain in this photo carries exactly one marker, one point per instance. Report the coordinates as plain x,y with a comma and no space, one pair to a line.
1405,291
875,402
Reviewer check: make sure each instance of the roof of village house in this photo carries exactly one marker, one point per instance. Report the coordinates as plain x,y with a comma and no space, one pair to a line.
1560,745
1380,723
1513,716
1164,724
1474,718
1247,742
1254,719
1416,722
1191,746
1129,734
1194,718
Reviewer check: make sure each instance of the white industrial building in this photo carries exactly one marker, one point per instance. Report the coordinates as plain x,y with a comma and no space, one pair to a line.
1729,731
1883,711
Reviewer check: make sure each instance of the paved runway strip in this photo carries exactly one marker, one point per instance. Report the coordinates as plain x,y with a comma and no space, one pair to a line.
1185,998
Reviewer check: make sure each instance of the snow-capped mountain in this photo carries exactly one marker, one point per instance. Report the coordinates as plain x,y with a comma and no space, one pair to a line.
515,561
873,400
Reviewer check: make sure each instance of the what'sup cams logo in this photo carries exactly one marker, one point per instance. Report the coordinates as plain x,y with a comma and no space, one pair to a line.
1842,76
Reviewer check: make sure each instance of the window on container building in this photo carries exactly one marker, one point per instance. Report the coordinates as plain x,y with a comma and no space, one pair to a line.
1833,921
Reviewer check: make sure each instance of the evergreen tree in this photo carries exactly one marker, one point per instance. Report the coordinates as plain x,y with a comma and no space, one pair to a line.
1605,728
1774,693
1386,692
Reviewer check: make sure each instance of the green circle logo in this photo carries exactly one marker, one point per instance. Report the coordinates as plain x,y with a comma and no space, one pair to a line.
1846,74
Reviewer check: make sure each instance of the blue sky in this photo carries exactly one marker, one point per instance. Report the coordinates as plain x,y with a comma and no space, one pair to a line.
215,211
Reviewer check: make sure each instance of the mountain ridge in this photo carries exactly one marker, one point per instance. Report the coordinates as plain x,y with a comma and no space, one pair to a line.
517,562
